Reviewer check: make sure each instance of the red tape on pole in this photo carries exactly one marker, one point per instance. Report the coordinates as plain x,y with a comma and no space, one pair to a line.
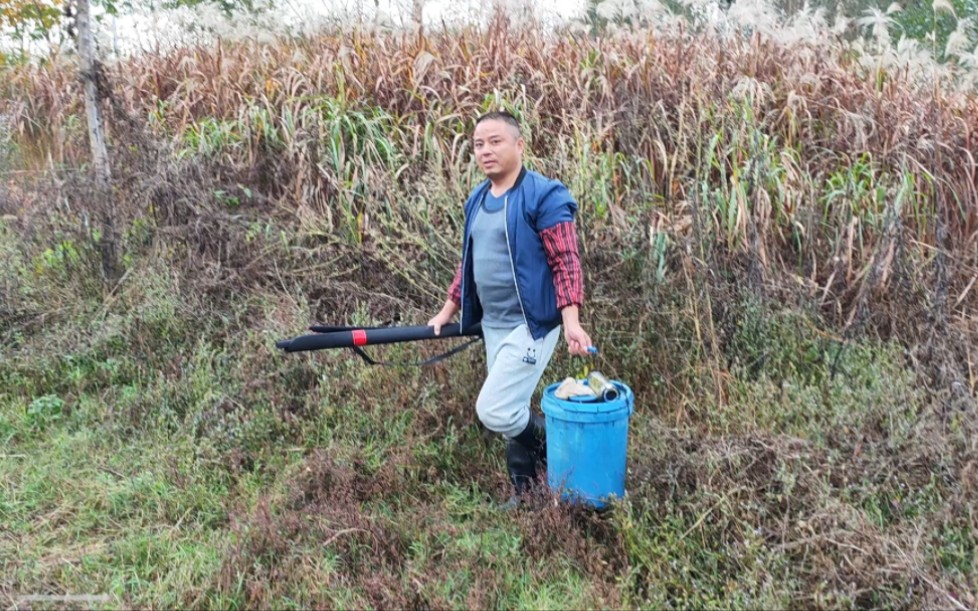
359,337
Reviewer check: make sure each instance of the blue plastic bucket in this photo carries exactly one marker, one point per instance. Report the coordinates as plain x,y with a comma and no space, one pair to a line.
587,445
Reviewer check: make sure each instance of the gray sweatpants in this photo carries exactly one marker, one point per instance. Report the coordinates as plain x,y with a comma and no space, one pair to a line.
516,363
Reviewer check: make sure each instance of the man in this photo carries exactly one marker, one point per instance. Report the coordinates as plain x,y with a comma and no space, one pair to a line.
520,276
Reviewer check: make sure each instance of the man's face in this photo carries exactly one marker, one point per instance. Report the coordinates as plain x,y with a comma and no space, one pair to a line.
498,148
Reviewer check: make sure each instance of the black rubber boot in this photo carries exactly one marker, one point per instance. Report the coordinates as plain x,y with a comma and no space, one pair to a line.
534,437
523,453
522,466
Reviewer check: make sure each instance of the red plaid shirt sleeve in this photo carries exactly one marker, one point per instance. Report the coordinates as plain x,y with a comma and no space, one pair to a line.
560,244
455,290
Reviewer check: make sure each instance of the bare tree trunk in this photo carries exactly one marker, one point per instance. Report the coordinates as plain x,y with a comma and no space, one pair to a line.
417,12
96,136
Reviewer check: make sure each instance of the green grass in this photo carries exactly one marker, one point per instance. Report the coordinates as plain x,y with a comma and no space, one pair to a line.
99,513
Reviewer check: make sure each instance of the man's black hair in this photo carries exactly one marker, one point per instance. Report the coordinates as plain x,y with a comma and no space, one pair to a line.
501,115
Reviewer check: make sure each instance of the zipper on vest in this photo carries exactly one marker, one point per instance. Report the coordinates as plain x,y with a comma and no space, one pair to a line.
461,289
512,265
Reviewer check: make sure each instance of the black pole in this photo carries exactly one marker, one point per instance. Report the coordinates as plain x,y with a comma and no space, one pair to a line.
333,337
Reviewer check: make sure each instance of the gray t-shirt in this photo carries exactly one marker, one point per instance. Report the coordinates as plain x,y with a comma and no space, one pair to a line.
494,282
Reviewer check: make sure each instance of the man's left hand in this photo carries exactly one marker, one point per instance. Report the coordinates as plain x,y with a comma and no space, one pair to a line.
577,340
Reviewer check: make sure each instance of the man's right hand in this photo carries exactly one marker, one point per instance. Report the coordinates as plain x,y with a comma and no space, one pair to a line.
444,317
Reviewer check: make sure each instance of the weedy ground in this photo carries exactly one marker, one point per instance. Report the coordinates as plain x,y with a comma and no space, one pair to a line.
780,261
